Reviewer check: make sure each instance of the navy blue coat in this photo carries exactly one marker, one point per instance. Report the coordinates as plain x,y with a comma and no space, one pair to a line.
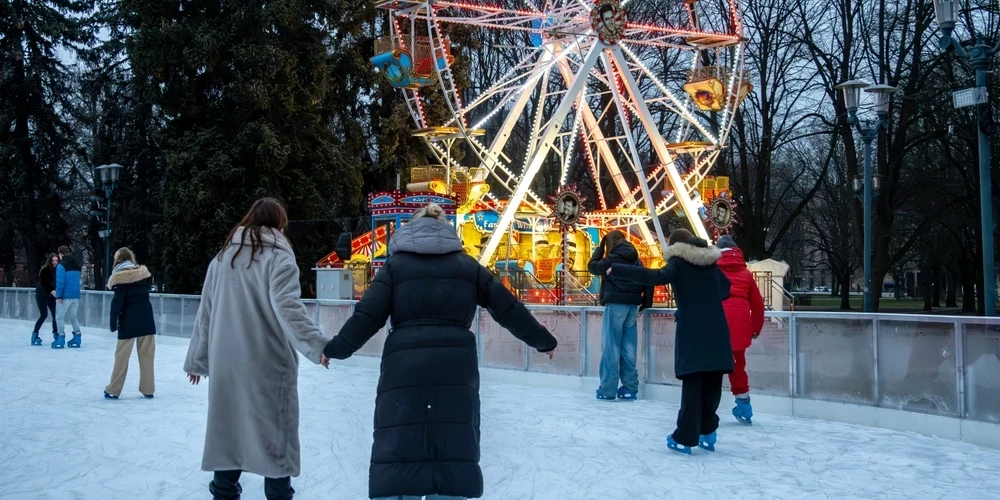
131,311
699,286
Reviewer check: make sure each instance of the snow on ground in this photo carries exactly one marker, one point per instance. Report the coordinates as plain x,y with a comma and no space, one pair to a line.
60,439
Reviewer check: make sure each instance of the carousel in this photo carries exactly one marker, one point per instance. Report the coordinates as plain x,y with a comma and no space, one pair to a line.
638,101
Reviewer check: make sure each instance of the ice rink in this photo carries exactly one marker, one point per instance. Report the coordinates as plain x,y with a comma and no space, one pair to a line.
62,440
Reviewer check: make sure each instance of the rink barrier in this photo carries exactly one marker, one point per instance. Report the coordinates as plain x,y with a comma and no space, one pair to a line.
928,365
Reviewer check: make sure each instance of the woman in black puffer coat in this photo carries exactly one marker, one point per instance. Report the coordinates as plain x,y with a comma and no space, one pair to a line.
427,407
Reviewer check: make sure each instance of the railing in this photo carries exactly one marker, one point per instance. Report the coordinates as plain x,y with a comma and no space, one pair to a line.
927,364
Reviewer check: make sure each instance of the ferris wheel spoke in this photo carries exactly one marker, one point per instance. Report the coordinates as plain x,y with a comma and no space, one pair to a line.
633,155
592,130
690,211
536,160
684,113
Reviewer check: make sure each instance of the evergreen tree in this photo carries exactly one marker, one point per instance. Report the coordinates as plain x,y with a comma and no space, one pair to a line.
36,140
117,123
252,93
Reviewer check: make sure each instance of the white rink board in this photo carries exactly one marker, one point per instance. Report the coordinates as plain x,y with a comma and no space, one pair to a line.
62,440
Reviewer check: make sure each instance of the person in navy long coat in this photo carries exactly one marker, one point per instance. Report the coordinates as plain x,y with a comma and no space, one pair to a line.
702,353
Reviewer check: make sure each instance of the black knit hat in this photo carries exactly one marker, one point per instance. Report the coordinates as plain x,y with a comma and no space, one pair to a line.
725,241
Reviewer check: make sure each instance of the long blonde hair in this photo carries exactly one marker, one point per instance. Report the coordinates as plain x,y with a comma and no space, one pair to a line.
124,255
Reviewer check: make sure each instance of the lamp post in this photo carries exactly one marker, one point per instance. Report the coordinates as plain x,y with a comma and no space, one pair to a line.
869,132
979,56
109,179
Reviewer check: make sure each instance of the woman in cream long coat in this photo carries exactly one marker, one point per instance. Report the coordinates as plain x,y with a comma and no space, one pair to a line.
249,324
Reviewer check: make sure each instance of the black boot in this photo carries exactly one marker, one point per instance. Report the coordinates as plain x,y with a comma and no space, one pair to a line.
278,488
226,485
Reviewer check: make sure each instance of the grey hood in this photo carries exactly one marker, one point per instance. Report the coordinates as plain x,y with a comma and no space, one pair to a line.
427,236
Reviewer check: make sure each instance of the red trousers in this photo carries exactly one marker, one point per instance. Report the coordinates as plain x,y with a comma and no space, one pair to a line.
739,380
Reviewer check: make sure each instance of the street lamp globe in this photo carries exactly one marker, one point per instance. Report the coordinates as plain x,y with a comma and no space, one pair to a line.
852,93
110,173
946,12
883,94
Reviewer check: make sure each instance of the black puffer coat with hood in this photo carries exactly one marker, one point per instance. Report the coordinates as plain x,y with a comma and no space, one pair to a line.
427,407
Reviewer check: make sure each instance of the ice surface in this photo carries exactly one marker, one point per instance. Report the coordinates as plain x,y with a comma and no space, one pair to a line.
59,439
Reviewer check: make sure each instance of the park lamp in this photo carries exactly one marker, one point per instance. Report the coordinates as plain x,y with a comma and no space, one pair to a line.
877,182
883,94
852,97
109,173
946,13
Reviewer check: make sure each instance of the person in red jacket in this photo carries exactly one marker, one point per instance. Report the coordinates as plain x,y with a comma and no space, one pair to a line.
745,314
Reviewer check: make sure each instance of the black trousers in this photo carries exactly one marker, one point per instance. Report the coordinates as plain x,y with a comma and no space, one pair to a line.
45,302
700,397
226,486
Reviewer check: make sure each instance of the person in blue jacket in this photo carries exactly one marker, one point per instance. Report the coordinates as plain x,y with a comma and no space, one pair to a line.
67,297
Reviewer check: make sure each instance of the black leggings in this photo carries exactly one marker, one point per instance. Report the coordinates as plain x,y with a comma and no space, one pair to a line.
45,302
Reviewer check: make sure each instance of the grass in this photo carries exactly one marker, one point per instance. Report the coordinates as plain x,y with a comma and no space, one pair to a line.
827,303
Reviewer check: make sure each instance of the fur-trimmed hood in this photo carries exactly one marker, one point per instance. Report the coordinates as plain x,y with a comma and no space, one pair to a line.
127,275
695,251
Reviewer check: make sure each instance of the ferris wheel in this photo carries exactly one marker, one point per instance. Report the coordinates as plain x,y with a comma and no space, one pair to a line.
641,95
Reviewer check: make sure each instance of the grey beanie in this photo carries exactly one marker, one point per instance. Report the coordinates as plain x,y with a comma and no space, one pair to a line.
725,241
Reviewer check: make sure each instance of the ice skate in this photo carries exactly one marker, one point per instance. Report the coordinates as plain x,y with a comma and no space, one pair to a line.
147,396
109,396
675,446
602,397
624,393
35,339
743,411
75,341
59,342
707,441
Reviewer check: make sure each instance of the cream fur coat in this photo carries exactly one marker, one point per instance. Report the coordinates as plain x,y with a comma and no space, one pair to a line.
249,324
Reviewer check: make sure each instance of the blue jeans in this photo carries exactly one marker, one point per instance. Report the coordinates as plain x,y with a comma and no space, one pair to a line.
428,497
67,313
620,341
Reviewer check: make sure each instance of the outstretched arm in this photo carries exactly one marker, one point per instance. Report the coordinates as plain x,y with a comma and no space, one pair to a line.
511,314
370,315
643,276
293,317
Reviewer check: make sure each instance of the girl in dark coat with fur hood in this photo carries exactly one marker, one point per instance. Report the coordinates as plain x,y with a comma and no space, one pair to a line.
702,352
427,406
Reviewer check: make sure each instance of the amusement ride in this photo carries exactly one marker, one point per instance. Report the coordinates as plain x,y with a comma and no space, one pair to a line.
642,101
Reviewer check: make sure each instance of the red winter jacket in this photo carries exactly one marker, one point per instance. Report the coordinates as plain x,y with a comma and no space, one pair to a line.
744,307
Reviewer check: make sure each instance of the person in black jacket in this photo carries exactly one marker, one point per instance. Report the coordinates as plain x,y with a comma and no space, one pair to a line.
622,300
427,406
702,352
45,297
132,318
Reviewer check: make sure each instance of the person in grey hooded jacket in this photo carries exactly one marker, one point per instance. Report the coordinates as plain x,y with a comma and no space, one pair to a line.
427,406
